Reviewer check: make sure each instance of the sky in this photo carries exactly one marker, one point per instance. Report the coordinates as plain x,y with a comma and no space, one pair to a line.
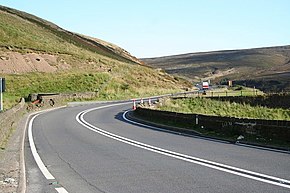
151,28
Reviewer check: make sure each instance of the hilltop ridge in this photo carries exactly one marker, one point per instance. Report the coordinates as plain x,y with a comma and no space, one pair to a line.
91,44
39,56
265,68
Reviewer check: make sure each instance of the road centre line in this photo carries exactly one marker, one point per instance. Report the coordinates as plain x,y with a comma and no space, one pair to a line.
61,190
218,166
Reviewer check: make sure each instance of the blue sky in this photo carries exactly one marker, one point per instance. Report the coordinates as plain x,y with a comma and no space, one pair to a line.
148,28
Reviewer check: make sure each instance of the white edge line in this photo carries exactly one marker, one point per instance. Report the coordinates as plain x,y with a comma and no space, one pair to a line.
222,165
36,156
173,132
169,153
22,179
205,138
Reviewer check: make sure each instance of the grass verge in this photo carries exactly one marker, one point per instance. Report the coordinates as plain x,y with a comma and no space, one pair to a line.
223,108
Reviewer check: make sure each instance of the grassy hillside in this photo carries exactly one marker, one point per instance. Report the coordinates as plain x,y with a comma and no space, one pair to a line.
265,68
122,83
38,56
23,30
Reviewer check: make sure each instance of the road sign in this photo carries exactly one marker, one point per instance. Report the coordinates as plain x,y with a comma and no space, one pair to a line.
2,89
2,86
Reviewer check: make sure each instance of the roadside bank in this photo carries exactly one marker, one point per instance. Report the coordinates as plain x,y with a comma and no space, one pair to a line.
243,134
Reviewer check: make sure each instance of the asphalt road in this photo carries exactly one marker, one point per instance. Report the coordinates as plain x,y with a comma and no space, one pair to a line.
98,151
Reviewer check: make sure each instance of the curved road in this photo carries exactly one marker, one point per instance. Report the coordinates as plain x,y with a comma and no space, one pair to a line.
92,148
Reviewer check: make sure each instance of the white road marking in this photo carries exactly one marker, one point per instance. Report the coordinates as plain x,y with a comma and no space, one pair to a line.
168,131
218,166
36,156
61,190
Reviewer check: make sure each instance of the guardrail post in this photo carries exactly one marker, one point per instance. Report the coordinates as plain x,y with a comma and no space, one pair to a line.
134,104
142,101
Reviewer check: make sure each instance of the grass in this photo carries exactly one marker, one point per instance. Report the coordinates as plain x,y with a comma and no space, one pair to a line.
124,82
250,67
24,31
4,141
10,100
218,108
208,106
233,91
22,85
88,62
19,33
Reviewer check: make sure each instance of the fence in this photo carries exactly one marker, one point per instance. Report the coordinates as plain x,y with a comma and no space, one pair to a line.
213,93
266,129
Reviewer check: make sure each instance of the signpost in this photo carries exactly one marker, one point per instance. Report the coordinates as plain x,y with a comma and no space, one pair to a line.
2,89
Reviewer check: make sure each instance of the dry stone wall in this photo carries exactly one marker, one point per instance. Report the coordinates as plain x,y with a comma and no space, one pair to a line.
257,128
9,119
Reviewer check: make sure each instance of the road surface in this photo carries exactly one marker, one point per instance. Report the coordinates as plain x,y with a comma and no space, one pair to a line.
91,148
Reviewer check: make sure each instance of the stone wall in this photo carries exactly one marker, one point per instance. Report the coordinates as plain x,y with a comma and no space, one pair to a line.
255,128
9,119
82,95
58,97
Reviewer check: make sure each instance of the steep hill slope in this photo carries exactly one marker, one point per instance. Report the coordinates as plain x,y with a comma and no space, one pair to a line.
35,38
265,68
38,56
